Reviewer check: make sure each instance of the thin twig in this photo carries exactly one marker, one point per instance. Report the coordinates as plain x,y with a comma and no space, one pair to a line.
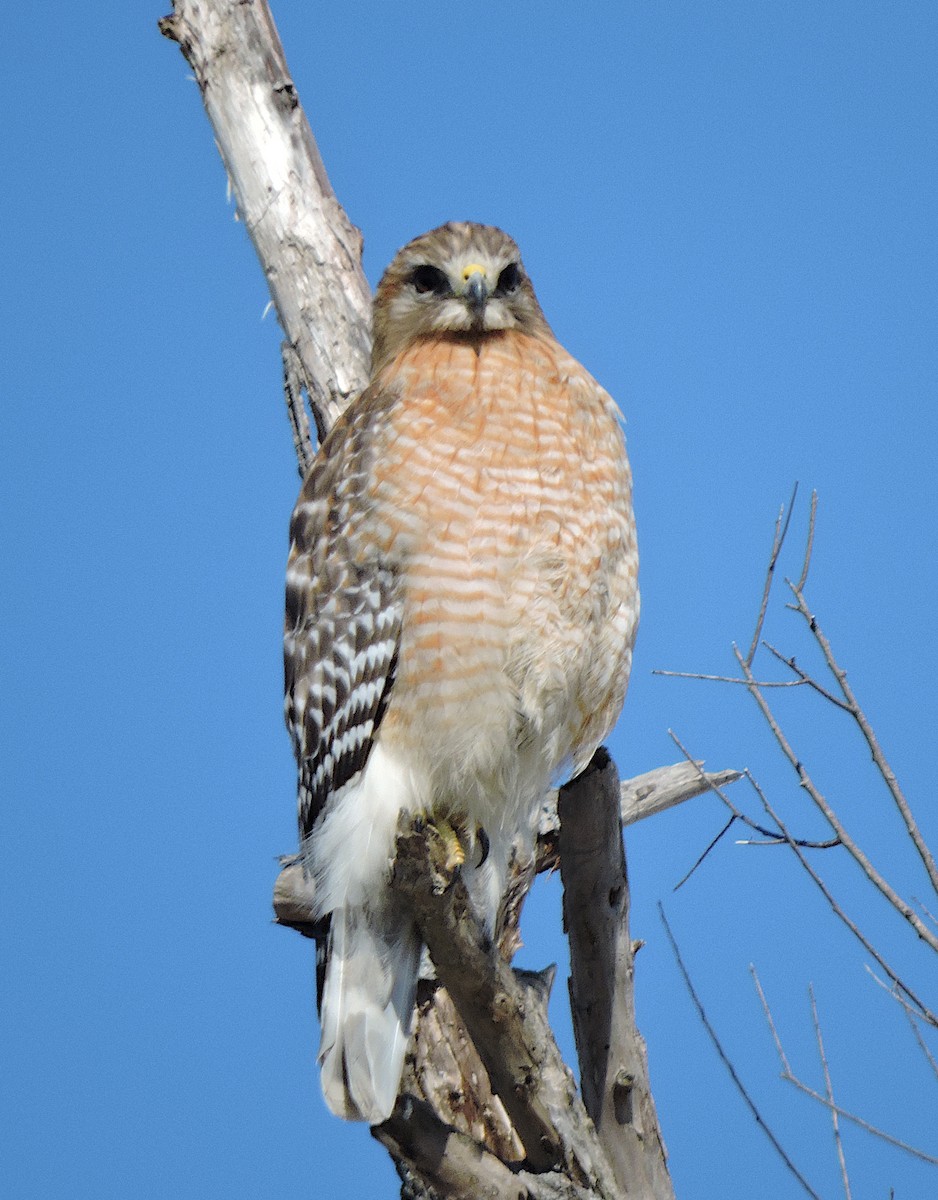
740,1086
773,835
873,875
875,749
803,677
768,1016
923,1010
828,1087
789,1076
923,1046
765,683
293,386
912,1016
830,844
891,990
863,1124
777,543
725,830
812,517
930,915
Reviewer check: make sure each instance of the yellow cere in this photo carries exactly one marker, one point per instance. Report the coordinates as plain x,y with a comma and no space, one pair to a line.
471,269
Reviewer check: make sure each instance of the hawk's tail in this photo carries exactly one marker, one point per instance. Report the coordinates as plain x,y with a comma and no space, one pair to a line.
366,1010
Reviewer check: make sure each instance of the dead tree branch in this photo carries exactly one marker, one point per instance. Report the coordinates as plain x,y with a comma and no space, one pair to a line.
781,531
879,758
920,1007
829,1090
727,1062
915,1008
309,250
847,841
790,1077
613,1063
664,788
503,1015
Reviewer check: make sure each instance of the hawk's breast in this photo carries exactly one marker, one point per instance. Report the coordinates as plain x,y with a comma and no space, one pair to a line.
501,482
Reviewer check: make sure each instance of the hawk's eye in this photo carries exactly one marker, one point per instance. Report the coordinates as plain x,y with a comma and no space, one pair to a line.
430,279
509,280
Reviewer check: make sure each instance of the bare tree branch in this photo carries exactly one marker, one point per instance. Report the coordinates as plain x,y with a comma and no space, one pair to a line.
308,248
789,1076
458,1167
861,1123
778,541
803,678
922,1009
809,545
508,1028
704,854
828,1087
614,1080
796,846
912,1015
774,837
929,915
875,749
444,1069
768,1016
912,1018
724,1058
915,1009
873,875
656,791
295,384
763,683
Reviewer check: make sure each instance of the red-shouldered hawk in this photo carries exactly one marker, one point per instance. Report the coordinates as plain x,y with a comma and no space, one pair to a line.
462,601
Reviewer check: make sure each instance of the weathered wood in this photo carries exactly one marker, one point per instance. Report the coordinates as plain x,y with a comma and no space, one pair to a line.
505,1014
451,1162
641,797
457,1168
309,250
665,787
614,1070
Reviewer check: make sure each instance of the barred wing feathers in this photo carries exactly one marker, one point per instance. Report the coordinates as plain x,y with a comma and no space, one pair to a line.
343,619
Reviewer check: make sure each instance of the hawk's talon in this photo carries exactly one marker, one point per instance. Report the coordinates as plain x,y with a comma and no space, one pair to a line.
482,840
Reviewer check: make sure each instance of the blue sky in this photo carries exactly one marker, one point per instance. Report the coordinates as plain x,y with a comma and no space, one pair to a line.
729,213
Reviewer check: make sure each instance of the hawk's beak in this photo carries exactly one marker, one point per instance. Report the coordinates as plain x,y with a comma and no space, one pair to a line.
475,289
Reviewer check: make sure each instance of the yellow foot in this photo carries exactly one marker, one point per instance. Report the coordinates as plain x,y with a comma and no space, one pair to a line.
450,843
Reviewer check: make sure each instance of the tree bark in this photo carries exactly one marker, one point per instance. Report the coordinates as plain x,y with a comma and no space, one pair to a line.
614,1080
308,248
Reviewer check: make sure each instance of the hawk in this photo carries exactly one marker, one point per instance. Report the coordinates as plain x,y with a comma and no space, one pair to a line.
461,606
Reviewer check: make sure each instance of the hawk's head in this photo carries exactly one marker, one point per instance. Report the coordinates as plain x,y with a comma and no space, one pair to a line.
461,278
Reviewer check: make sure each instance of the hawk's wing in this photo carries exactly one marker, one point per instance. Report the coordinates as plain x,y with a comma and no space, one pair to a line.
343,617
